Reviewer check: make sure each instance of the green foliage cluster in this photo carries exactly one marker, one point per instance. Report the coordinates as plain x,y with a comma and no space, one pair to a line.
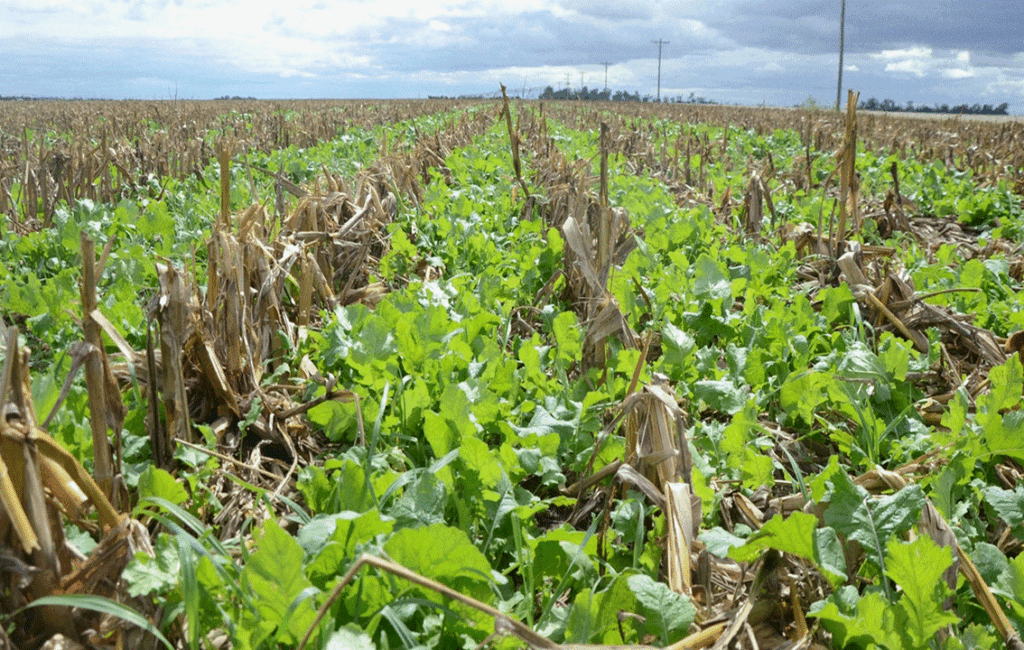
473,422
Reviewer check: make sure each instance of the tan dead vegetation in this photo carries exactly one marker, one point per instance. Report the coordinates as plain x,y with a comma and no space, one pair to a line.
62,151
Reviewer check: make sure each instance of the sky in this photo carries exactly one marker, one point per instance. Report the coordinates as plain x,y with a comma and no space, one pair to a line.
773,52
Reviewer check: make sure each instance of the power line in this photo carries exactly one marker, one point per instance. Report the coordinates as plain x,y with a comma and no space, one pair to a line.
606,64
842,29
660,43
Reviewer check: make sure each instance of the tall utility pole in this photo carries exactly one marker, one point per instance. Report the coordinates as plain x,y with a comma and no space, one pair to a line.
842,29
660,43
606,64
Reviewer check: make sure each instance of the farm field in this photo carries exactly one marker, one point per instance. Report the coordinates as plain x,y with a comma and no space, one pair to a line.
444,374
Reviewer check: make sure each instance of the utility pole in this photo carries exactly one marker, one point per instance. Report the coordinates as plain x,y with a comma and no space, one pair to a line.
606,64
842,29
660,43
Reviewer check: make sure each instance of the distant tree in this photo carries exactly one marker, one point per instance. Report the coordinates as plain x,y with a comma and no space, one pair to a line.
811,104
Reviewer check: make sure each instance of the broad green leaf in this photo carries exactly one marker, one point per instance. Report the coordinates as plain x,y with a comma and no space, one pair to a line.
836,303
568,336
345,489
414,401
858,516
159,572
275,576
1008,504
559,551
757,468
711,281
481,459
156,224
156,482
581,623
972,273
723,395
594,617
822,483
917,568
678,346
721,542
440,433
739,433
895,356
801,395
454,420
668,613
873,621
955,417
1011,582
439,552
550,423
1004,434
800,535
422,502
337,420
347,528
1007,382
991,563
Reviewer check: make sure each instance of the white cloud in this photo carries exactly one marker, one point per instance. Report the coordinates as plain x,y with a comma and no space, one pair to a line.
915,60
957,73
925,62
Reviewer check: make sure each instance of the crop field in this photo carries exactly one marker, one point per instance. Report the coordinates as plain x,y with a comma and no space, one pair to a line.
496,374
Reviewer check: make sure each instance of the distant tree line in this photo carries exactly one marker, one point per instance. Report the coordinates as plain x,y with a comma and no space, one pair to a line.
594,94
890,106
4,98
79,99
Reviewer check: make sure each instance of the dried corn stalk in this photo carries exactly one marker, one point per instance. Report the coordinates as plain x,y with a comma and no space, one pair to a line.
32,542
656,445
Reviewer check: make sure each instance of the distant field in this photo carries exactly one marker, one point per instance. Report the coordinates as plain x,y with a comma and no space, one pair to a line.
947,116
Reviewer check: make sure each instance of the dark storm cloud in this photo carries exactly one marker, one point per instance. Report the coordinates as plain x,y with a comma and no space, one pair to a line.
539,38
810,26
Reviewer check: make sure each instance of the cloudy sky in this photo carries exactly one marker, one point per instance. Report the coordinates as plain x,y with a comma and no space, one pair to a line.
777,52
